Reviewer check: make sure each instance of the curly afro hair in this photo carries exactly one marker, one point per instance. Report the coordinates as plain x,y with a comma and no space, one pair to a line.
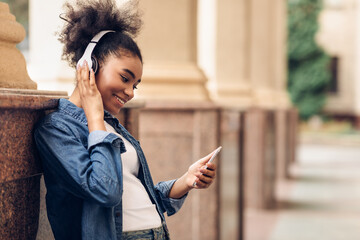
85,18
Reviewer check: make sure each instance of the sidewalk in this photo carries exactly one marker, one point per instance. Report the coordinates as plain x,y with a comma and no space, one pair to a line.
322,201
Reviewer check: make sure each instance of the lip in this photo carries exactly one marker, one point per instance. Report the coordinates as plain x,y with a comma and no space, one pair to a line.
123,101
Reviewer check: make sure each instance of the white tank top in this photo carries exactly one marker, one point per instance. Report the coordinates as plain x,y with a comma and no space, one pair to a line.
139,212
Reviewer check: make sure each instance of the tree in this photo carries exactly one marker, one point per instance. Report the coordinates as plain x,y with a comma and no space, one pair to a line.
308,75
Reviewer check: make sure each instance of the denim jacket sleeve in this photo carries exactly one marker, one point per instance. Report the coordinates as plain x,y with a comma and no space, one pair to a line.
93,173
171,205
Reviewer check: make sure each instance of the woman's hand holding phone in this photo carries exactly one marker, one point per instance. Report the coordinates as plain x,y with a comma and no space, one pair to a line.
90,96
203,172
199,175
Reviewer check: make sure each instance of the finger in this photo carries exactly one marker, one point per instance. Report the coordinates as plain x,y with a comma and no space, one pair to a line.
84,81
92,78
208,172
194,185
211,166
205,179
82,73
200,184
79,79
78,73
206,158
85,74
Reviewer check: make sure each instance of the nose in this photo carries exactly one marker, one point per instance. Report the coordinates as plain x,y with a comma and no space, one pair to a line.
129,92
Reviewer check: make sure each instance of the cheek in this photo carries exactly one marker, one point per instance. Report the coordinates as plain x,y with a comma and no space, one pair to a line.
103,87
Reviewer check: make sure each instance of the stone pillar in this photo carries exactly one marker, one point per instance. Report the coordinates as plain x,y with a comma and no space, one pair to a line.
268,53
20,169
282,143
231,174
168,43
246,63
259,159
13,73
224,43
279,54
20,109
173,136
292,120
242,49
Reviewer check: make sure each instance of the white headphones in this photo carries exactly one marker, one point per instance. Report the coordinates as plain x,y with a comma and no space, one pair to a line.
92,62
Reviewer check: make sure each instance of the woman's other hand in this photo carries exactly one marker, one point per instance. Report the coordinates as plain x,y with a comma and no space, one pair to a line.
201,174
90,96
197,177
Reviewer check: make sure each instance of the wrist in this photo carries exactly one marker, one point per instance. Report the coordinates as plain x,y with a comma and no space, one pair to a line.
181,187
189,181
96,125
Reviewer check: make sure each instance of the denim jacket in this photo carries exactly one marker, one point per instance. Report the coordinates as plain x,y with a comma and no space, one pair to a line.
83,175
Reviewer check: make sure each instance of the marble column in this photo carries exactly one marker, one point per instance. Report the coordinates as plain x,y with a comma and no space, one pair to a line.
268,53
259,159
231,174
282,143
224,41
13,73
169,46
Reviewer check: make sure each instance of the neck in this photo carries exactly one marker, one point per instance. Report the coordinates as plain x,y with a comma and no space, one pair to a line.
75,97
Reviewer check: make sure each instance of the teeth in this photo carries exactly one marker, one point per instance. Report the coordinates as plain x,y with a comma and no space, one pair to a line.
121,101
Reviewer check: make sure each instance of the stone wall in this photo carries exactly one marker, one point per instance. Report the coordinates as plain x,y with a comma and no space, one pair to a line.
20,168
173,136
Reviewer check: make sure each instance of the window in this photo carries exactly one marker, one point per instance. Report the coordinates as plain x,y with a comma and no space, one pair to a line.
334,66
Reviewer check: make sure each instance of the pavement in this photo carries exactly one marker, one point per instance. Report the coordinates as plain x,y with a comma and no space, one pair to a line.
321,201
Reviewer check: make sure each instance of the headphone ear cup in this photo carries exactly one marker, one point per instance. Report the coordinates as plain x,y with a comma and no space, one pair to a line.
95,65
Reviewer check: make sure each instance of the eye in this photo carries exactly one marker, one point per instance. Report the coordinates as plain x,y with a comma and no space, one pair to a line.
125,79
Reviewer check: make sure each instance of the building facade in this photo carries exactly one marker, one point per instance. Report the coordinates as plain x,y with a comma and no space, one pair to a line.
339,36
214,74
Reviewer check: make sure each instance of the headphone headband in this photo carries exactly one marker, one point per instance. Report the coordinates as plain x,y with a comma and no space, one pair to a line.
89,49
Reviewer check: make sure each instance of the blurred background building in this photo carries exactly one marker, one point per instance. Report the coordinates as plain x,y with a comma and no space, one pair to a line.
210,46
223,73
339,36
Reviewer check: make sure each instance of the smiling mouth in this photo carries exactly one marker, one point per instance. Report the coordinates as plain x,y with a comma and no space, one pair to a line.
120,100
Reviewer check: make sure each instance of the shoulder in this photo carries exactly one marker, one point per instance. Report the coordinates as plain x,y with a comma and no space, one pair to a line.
60,121
54,119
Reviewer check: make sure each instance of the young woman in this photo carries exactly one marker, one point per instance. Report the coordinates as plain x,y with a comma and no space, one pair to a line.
98,182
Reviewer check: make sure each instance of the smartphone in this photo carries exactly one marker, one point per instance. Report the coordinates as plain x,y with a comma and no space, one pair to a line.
214,155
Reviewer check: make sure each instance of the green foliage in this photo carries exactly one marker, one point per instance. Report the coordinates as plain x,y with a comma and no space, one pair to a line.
309,74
